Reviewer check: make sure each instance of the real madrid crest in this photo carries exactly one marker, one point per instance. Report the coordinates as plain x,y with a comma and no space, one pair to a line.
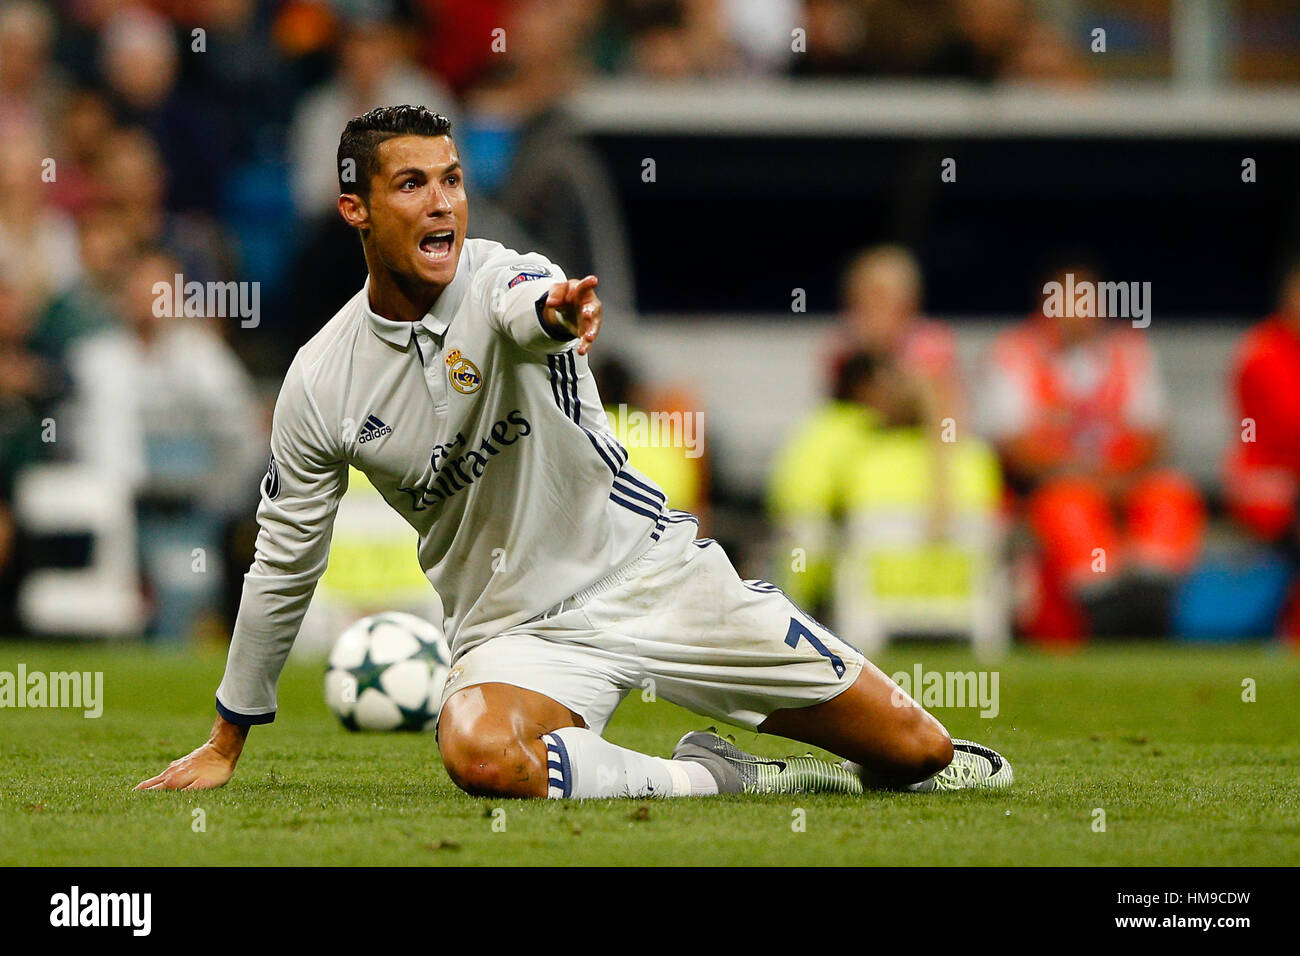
462,373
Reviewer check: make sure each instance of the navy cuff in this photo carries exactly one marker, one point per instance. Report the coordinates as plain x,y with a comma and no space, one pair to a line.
244,720
541,304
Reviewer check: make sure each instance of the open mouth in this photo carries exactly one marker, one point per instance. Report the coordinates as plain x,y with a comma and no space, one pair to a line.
436,246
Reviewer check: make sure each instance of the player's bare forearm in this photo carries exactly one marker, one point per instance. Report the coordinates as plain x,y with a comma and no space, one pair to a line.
210,766
574,308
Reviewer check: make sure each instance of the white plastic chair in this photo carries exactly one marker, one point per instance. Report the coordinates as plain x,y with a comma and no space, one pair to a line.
102,598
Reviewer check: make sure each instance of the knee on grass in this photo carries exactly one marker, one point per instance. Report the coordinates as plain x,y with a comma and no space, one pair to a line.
921,751
929,750
495,765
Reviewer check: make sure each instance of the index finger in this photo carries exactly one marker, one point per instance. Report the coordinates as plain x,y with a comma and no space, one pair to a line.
557,294
151,782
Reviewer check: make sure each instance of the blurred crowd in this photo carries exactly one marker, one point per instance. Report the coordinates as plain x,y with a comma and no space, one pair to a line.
1063,439
148,145
148,142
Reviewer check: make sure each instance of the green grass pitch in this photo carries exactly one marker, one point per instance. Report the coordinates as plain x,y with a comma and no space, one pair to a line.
1159,738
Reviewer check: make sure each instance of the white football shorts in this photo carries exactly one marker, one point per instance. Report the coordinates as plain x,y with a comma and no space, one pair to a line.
680,623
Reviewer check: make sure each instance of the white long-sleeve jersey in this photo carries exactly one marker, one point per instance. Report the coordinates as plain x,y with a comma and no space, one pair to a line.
485,433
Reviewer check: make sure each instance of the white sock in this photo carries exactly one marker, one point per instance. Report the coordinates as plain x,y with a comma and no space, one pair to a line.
582,764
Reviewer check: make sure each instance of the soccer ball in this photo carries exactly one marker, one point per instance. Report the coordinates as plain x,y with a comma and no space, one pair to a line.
386,672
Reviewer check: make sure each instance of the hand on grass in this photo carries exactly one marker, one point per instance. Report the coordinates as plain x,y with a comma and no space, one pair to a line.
206,768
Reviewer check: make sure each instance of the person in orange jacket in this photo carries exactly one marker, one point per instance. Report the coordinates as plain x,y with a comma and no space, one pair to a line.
1261,473
1076,407
1262,469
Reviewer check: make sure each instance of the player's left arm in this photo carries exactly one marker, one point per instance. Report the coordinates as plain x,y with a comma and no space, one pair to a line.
532,302
572,308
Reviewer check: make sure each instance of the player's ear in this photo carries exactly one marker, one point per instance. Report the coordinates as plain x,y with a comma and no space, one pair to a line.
354,211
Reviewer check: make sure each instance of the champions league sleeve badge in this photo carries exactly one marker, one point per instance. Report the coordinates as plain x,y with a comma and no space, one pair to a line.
526,272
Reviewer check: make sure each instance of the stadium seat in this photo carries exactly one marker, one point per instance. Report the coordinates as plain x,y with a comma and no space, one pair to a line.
891,580
103,597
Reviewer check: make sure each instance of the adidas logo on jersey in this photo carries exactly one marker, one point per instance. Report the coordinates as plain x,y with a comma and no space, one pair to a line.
372,429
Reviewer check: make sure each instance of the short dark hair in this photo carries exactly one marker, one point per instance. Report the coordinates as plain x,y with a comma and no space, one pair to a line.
363,134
